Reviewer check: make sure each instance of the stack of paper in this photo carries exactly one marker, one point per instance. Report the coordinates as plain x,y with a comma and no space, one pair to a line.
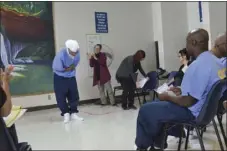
15,114
141,83
165,88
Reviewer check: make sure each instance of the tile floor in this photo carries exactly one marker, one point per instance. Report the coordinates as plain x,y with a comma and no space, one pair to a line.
104,128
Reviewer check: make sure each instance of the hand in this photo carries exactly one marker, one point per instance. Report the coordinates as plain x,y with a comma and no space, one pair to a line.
89,55
69,69
163,96
175,90
9,69
5,76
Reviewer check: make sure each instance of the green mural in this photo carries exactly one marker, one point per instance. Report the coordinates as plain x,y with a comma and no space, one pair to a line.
27,43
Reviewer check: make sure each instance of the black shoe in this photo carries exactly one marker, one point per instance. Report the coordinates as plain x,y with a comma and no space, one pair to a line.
124,107
98,103
132,107
115,104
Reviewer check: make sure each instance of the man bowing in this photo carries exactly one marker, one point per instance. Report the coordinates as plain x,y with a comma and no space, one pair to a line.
65,85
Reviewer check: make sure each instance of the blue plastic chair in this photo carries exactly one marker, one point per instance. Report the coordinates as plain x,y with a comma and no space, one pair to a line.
172,75
151,84
220,113
207,114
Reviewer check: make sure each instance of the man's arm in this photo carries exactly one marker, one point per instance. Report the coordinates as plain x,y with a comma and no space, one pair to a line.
141,70
5,110
185,101
58,64
193,86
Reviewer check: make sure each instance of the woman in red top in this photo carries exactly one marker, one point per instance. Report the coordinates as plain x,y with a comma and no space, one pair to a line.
101,76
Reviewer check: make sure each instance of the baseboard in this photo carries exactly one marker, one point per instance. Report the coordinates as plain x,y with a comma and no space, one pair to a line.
84,102
52,106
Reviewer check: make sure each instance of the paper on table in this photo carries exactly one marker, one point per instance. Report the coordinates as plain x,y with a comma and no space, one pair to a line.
141,83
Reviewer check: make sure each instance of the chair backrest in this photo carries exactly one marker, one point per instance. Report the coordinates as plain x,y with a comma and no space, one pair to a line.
6,140
172,74
210,107
153,81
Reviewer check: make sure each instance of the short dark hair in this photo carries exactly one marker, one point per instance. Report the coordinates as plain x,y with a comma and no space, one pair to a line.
100,46
183,52
142,52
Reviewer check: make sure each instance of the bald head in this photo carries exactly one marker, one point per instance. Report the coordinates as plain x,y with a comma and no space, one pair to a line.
199,35
197,42
220,45
221,39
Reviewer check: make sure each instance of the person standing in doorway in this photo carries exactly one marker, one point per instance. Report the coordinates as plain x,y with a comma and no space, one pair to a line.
65,84
124,74
101,77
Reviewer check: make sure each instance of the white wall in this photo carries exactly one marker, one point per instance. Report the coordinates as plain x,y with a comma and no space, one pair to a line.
217,11
170,29
193,15
175,29
130,29
158,30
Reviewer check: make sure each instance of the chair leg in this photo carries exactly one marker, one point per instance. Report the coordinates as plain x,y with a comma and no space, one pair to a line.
180,139
201,133
187,138
114,92
154,95
138,97
219,117
164,137
200,139
144,98
218,135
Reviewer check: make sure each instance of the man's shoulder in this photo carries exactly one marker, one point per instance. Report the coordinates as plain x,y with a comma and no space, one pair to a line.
129,58
61,52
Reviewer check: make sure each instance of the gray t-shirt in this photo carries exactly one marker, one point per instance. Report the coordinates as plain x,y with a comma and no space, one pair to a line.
128,67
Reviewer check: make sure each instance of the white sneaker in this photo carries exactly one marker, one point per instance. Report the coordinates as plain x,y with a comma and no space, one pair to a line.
74,116
66,117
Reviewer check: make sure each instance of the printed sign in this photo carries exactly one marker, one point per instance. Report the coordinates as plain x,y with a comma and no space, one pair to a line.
101,22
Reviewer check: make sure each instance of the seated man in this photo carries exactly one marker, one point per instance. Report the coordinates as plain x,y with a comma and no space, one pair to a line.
5,107
197,82
220,46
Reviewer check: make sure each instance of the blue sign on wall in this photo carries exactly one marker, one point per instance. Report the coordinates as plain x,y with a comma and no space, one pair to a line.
101,22
200,11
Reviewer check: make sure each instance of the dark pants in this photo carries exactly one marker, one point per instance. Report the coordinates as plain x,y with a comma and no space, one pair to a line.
150,118
128,91
66,88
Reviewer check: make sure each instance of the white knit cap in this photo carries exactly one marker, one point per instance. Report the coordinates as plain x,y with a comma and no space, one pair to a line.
72,45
